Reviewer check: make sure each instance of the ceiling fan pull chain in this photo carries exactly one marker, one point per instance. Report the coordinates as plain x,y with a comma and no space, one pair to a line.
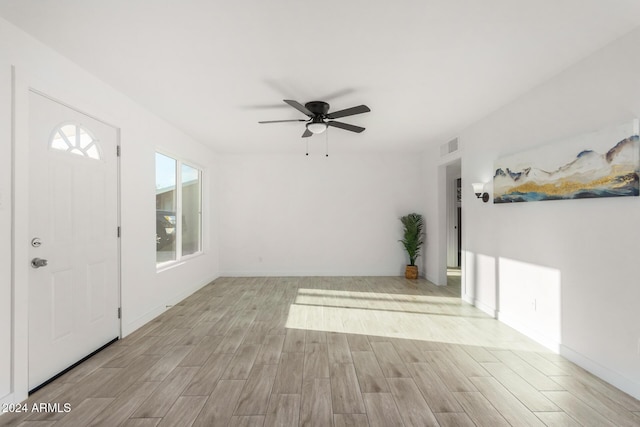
326,143
307,146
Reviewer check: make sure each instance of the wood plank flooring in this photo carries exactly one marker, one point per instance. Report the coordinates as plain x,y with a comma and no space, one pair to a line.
327,351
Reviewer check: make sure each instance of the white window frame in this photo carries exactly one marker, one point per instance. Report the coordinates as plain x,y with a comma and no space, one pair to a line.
178,242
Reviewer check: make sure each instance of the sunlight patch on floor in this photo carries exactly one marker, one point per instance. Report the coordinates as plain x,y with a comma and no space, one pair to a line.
370,299
418,317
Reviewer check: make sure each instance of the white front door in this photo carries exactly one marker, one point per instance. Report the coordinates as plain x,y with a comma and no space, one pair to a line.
73,220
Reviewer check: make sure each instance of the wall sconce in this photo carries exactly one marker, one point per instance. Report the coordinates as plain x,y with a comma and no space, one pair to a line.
478,188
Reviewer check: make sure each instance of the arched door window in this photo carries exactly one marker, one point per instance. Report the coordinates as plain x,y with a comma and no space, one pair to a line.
73,138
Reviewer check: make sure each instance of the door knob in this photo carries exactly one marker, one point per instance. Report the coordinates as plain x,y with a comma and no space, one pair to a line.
38,262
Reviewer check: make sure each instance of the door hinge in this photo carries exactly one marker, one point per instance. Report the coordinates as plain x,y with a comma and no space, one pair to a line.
118,231
118,150
119,312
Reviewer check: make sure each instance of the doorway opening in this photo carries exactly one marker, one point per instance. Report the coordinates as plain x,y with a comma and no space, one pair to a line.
453,198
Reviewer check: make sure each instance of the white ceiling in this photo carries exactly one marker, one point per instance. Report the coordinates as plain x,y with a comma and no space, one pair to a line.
426,68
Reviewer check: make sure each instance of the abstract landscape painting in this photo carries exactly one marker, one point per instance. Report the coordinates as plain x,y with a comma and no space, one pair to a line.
556,173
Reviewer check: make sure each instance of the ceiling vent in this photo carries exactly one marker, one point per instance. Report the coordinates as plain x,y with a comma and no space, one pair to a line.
449,147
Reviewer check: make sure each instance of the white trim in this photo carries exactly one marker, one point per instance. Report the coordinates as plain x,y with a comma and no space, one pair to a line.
129,328
433,279
168,265
483,307
440,247
452,221
9,397
451,157
12,279
537,336
614,378
316,273
51,98
174,156
21,234
119,222
6,400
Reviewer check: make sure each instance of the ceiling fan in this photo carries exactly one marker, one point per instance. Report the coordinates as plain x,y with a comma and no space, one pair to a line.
320,117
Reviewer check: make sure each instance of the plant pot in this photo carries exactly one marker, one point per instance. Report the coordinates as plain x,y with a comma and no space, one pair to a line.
411,272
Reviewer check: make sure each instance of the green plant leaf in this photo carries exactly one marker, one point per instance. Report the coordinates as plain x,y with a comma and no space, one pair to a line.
413,235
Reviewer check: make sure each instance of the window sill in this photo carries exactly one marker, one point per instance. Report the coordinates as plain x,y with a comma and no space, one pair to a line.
169,265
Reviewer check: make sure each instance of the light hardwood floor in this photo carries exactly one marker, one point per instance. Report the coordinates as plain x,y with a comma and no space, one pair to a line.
323,351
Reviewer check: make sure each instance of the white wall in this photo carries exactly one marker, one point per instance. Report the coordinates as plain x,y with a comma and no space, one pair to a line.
145,292
298,215
5,228
434,189
572,261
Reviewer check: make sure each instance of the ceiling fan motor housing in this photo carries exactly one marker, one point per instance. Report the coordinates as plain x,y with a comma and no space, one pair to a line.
318,108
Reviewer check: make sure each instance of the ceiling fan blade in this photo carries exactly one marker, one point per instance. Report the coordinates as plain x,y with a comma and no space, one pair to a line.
307,133
282,121
346,126
349,112
299,107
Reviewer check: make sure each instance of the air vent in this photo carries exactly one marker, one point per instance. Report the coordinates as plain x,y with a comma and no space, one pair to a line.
449,147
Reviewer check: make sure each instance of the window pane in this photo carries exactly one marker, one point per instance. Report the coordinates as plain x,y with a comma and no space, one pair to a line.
190,210
92,152
69,132
84,139
74,139
59,143
165,208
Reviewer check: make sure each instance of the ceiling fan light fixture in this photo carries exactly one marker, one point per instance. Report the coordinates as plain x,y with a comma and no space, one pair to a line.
317,113
316,127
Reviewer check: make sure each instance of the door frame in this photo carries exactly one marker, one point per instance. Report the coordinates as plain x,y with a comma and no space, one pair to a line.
448,168
454,247
21,85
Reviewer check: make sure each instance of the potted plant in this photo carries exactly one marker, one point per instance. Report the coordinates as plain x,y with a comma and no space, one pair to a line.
413,239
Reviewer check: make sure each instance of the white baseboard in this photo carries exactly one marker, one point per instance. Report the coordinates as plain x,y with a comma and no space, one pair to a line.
483,307
157,311
537,336
128,328
612,377
9,398
232,273
182,295
433,279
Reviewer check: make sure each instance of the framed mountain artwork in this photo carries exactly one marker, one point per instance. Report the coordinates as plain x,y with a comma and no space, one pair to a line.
600,164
